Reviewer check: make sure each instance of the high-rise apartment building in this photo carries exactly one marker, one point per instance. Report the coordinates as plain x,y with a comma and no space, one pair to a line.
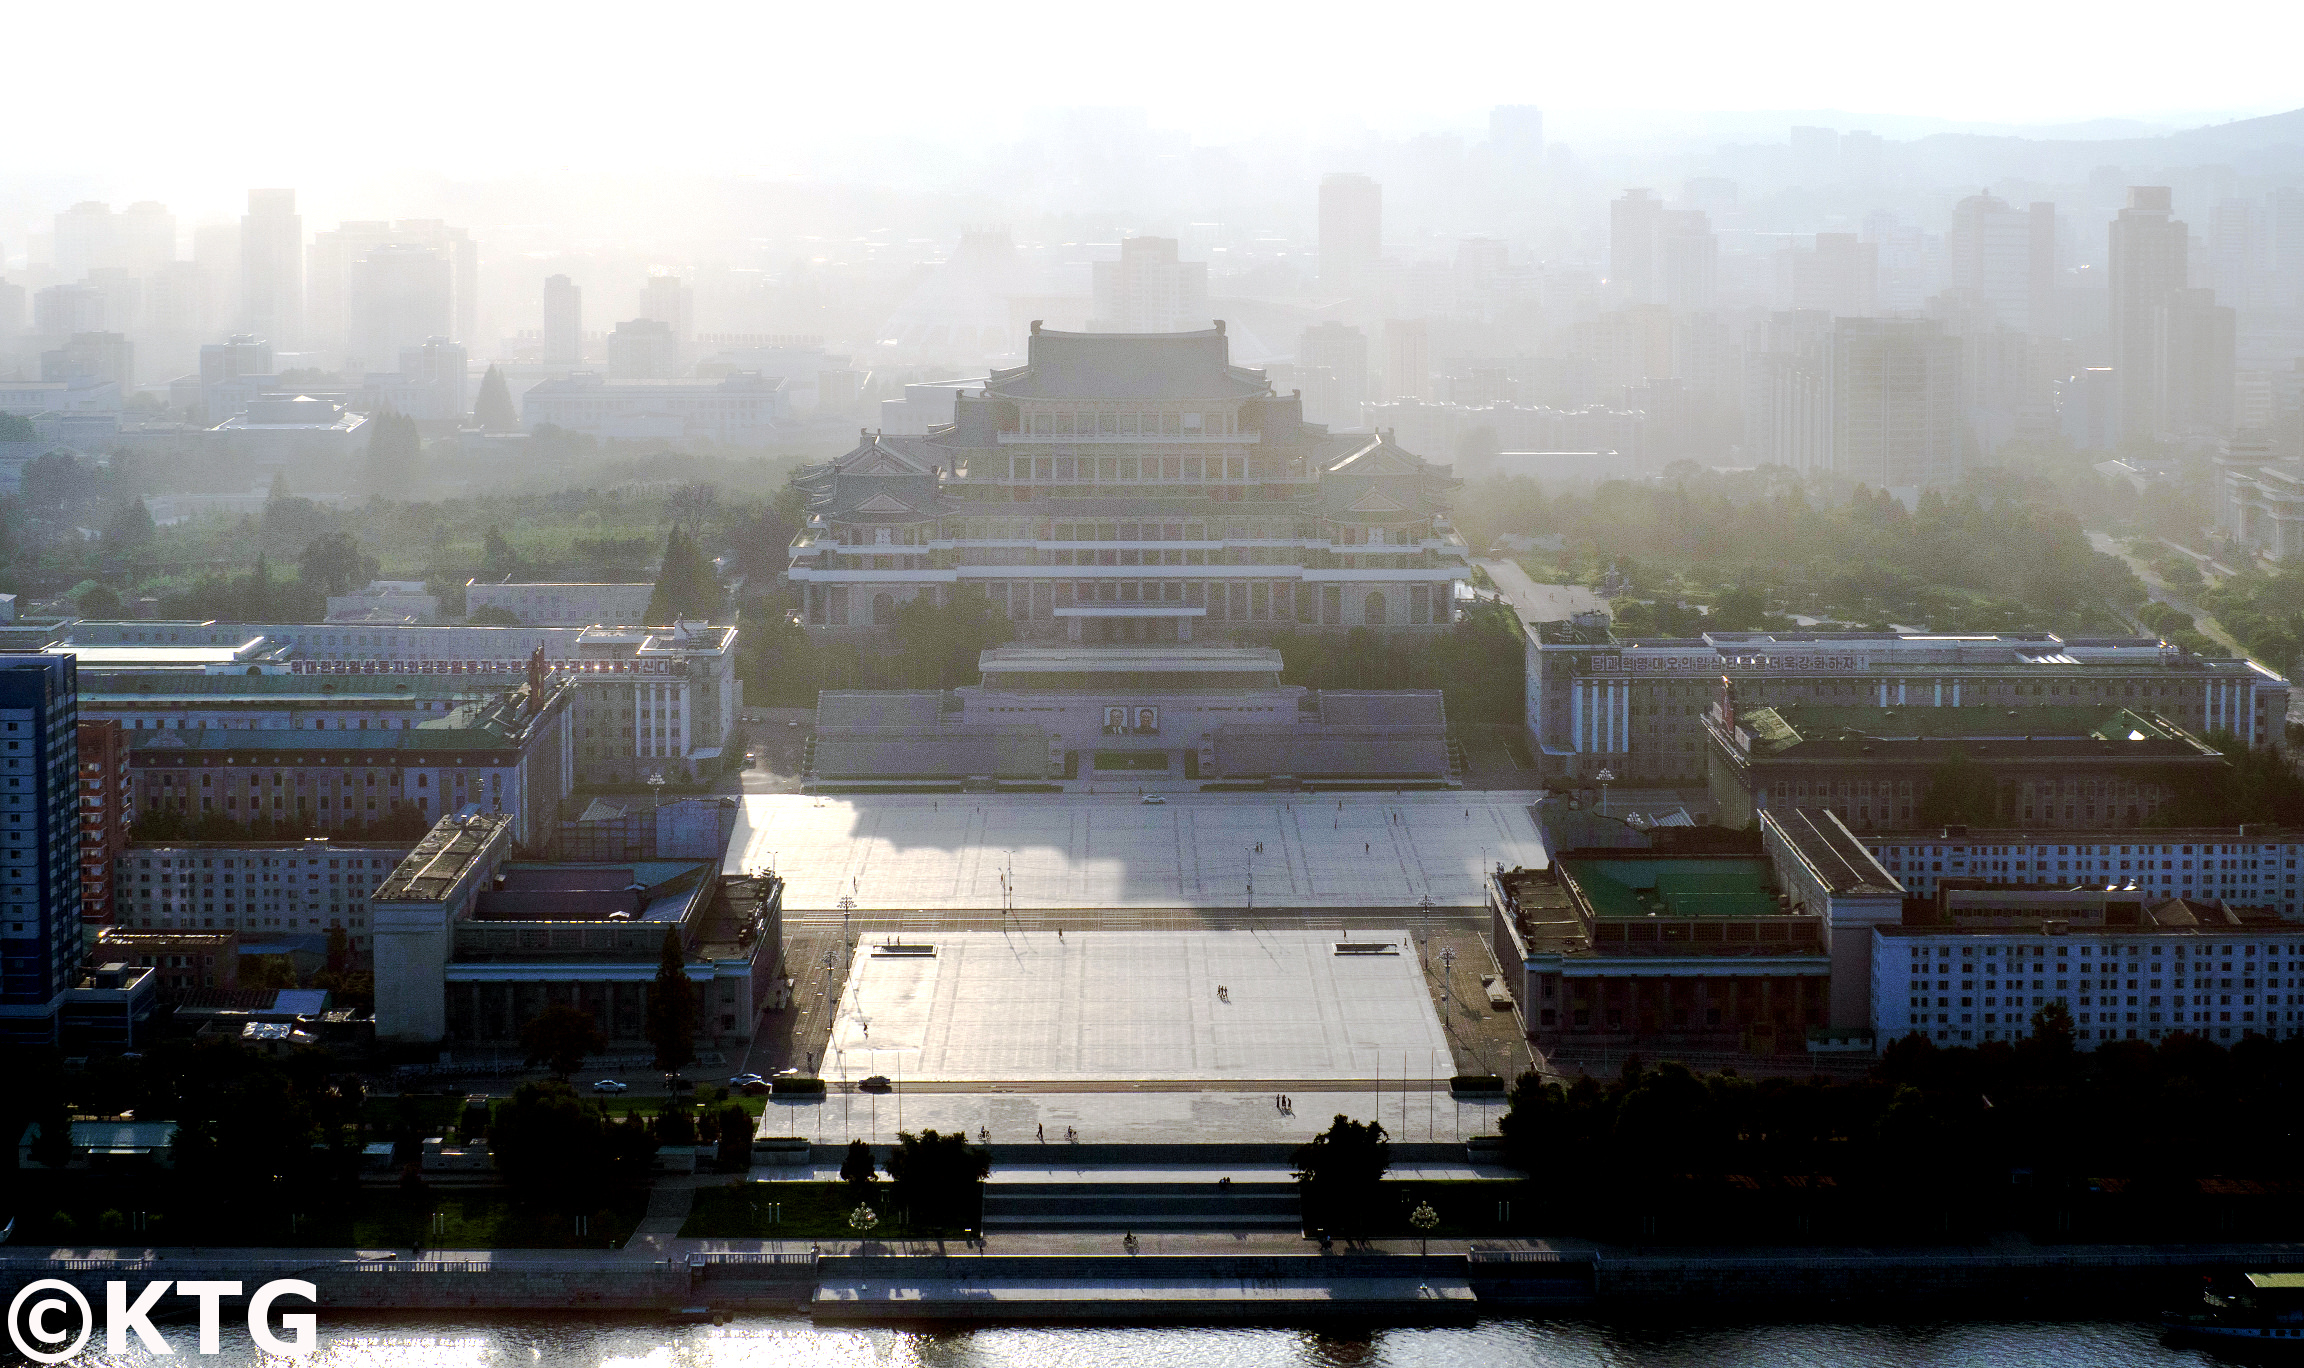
401,295
104,799
103,355
436,373
89,236
40,883
61,310
1407,359
2235,251
1996,261
272,267
643,349
1894,390
1351,230
669,302
2193,347
1332,368
1687,261
563,322
1149,290
1787,413
1632,221
1839,275
180,301
2147,263
332,280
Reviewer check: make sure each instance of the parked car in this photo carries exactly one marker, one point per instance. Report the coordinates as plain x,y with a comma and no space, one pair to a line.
876,1083
753,1087
741,1079
610,1085
1153,800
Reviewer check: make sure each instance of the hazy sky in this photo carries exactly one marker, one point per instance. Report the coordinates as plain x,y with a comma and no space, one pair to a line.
281,93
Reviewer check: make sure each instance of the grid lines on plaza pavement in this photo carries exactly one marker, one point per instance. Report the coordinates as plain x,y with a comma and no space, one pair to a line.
955,851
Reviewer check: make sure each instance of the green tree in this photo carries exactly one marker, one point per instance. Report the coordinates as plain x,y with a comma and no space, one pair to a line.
334,563
938,644
268,971
96,601
559,1037
937,1178
53,480
2052,1030
1342,1166
858,1170
630,1149
550,1143
395,454
490,615
672,1007
492,411
497,560
735,1137
15,427
685,584
130,526
256,595
676,1124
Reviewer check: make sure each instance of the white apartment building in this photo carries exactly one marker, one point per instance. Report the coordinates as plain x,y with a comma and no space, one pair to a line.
2176,967
265,890
561,605
741,410
2248,867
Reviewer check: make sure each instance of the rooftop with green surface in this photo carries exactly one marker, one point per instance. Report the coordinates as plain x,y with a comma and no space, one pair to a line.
1707,887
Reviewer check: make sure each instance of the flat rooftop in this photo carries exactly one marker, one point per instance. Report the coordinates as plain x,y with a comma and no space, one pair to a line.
1182,657
1108,1005
1775,730
1702,886
635,890
1198,850
431,870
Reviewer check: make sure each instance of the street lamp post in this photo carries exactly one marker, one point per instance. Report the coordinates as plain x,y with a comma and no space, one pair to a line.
1605,777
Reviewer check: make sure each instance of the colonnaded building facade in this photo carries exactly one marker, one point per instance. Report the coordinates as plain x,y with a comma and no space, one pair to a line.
1635,706
1132,487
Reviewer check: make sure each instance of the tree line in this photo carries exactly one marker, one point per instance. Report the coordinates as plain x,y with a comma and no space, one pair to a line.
1759,545
1983,1132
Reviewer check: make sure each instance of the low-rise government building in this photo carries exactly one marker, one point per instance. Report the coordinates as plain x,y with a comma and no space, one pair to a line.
2068,767
473,942
1190,711
649,700
1635,705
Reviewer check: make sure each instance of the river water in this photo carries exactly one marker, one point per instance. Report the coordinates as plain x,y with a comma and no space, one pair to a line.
523,1341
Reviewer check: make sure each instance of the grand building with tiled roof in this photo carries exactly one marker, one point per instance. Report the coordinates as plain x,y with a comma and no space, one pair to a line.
1132,487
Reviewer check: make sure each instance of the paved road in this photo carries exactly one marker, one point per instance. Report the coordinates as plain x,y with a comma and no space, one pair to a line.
2161,593
1540,602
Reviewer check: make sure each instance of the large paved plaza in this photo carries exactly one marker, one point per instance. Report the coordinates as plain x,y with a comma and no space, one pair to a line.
1109,851
1026,1007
